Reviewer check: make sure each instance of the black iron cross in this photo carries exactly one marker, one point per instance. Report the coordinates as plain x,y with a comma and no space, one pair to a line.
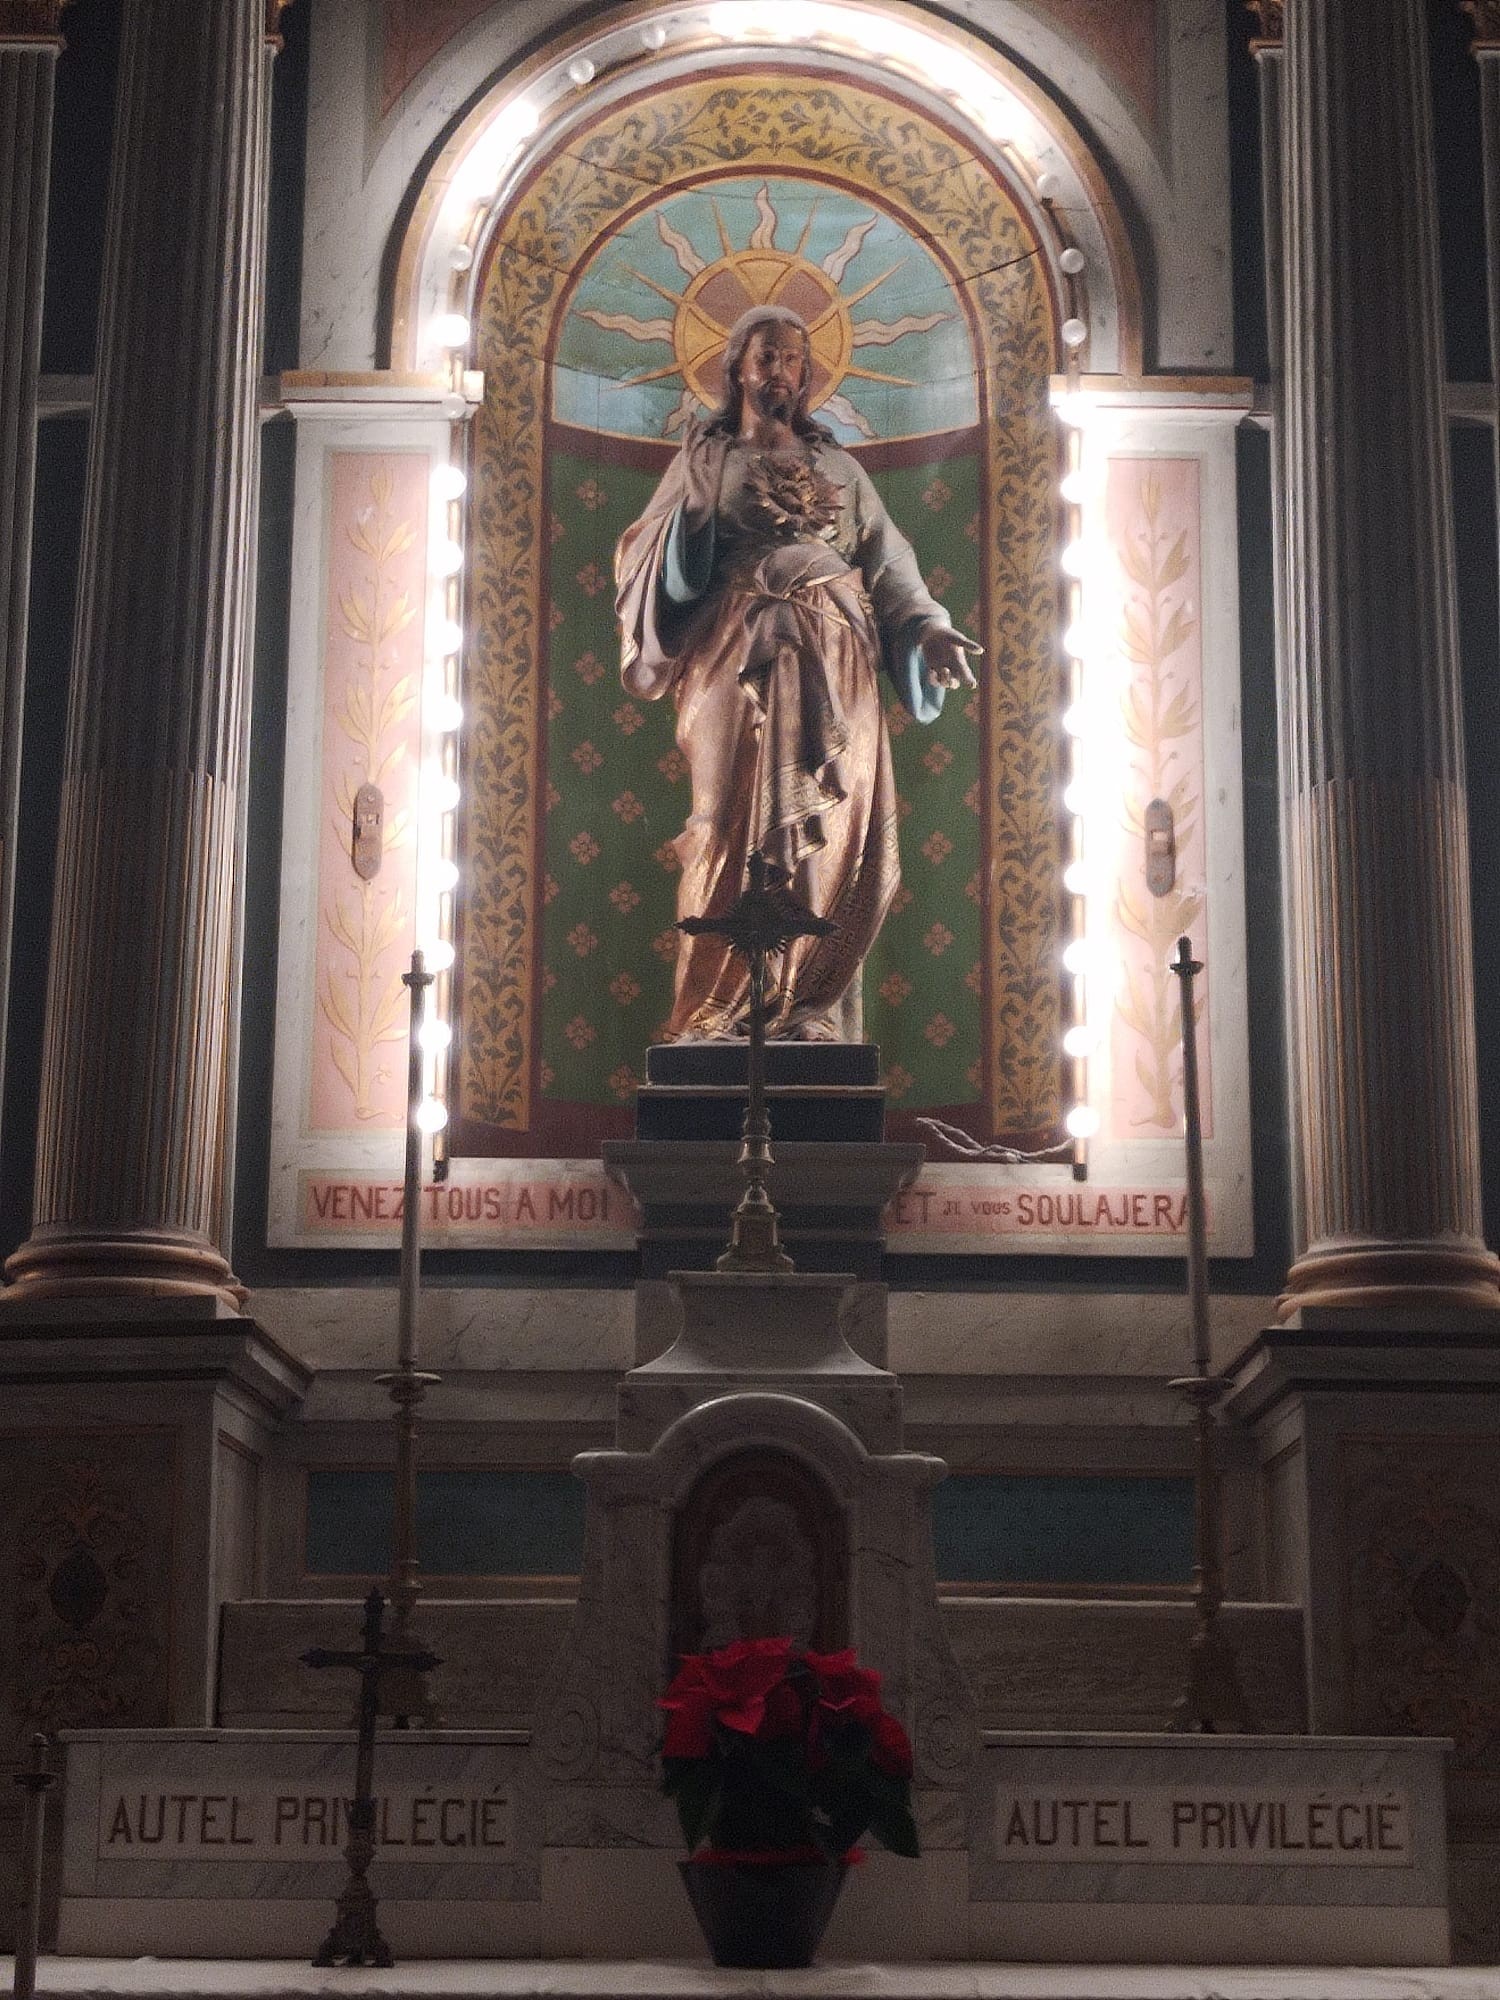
355,1938
765,920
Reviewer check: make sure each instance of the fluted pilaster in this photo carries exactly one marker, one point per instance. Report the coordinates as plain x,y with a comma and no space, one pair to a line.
130,1154
29,44
1486,18
1375,828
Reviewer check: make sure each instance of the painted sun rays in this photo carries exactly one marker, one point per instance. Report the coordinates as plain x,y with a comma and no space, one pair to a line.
719,287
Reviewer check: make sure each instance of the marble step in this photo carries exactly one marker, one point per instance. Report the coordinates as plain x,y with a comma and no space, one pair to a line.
684,1979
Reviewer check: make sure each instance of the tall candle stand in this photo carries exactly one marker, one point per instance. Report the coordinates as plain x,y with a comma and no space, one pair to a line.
1213,1697
404,1693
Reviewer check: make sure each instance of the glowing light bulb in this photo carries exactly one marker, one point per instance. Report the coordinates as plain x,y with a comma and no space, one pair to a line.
1074,559
439,955
1078,957
1076,719
1076,640
1078,1042
442,876
453,407
449,482
1074,488
439,791
1076,879
1076,798
1072,409
447,558
432,1115
450,330
1074,333
1072,260
447,638
461,256
436,1035
446,714
1082,1121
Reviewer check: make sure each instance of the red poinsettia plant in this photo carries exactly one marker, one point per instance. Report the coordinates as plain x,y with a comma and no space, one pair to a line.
775,1755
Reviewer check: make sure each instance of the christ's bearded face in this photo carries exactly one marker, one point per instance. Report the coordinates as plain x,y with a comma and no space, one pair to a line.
773,370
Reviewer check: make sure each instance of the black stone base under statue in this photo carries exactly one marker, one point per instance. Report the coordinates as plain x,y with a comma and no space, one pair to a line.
832,1176
816,1092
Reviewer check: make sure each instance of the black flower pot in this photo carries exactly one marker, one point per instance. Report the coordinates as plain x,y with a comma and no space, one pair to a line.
765,1914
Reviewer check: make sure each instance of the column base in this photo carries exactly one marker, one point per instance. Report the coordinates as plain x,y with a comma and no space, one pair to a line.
1400,1286
59,1262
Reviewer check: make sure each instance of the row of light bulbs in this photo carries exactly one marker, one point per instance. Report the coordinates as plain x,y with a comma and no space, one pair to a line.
439,791
476,183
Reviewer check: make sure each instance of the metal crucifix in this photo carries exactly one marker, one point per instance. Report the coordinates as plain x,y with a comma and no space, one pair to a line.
764,921
355,1938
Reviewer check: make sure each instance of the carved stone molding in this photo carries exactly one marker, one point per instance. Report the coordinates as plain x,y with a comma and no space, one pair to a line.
1422,1543
88,1529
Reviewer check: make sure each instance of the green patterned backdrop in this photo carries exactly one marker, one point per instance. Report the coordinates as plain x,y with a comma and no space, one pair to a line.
600,322
617,794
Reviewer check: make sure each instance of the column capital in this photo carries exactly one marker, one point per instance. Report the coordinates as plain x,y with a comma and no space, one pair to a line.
31,21
1485,14
1269,25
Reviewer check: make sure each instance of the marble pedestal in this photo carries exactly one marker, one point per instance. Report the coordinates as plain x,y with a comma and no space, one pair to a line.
131,1455
759,1375
1380,1470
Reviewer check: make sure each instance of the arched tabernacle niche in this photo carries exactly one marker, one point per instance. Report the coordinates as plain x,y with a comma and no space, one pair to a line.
929,264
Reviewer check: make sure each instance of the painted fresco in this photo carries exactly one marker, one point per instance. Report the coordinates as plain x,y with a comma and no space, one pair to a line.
933,341
1152,518
372,669
641,346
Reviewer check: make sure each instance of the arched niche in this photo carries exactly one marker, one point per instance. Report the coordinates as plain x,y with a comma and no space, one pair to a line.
705,151
760,1549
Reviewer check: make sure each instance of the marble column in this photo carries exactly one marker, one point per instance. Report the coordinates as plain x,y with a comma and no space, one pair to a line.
1376,840
136,1055
1486,18
29,45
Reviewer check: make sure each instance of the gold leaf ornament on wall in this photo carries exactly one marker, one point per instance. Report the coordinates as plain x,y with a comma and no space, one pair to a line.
361,995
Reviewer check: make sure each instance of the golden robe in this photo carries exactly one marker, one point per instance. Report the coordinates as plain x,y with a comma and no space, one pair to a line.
770,631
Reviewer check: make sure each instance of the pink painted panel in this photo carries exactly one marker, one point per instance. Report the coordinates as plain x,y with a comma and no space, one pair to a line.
372,681
1153,526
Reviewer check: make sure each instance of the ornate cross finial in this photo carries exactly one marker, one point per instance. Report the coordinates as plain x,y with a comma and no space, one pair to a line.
767,916
1268,15
1485,14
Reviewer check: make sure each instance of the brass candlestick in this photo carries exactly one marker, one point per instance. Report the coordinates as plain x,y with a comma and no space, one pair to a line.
404,1692
764,920
1213,1695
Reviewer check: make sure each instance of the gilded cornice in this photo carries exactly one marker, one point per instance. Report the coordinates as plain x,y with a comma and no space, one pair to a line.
1485,14
31,20
1268,16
